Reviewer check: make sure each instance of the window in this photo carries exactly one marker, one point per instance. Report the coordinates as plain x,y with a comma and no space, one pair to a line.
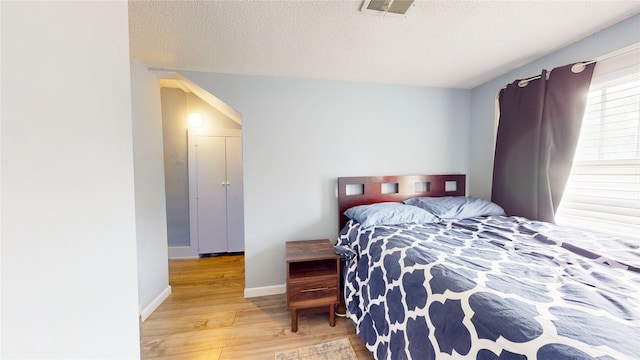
603,190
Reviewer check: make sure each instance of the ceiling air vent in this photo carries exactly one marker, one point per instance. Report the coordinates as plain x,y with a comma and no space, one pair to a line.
398,7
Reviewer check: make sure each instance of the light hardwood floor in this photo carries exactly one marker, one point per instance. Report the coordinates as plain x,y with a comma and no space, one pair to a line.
207,317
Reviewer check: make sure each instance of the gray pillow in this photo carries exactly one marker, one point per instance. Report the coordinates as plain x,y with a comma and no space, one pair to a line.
389,213
456,207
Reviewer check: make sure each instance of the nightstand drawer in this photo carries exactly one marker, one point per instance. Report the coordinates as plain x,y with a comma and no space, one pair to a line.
313,269
310,291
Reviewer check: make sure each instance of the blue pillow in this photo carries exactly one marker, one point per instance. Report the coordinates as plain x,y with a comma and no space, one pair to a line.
389,213
456,207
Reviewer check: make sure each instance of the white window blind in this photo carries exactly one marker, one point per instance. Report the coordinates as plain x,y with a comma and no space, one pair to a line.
603,190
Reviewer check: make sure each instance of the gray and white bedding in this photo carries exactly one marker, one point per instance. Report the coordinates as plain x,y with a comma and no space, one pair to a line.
491,287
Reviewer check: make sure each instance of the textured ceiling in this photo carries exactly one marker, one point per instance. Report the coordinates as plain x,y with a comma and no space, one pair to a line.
459,44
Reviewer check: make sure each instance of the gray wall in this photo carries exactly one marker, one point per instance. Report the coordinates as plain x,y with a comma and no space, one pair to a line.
483,97
300,135
174,132
151,222
176,106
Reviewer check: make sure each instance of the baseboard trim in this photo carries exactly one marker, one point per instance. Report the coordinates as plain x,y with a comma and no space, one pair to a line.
147,311
183,252
265,290
183,257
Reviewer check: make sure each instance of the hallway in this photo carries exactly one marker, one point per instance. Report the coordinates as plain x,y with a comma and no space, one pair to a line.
207,317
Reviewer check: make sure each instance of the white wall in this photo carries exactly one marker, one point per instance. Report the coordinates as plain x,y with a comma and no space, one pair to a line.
151,215
69,284
300,135
483,97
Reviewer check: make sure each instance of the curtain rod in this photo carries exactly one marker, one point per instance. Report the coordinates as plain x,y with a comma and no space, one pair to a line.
578,67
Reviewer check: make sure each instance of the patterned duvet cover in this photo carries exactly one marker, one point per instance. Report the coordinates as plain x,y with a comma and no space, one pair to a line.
491,288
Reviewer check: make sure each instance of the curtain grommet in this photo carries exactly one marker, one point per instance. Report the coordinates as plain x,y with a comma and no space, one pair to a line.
578,68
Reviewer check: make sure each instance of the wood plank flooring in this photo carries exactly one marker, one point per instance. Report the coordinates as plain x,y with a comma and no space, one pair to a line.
207,317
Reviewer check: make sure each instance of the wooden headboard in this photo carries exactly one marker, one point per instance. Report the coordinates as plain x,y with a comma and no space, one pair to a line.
363,190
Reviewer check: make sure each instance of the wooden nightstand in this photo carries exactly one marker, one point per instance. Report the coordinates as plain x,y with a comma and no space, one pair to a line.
313,272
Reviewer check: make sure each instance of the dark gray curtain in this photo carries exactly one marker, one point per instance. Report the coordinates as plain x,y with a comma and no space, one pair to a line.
538,131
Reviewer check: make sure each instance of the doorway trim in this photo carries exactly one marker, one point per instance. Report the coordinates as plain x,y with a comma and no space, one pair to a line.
172,79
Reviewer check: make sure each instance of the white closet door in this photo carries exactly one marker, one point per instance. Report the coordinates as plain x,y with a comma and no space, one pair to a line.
211,194
235,203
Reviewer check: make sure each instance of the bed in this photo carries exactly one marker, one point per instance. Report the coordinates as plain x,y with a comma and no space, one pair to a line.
476,284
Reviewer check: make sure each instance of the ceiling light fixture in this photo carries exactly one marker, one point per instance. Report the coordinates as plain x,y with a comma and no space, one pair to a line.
399,7
195,120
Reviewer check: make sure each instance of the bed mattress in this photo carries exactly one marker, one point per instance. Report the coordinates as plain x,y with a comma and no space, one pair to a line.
491,288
